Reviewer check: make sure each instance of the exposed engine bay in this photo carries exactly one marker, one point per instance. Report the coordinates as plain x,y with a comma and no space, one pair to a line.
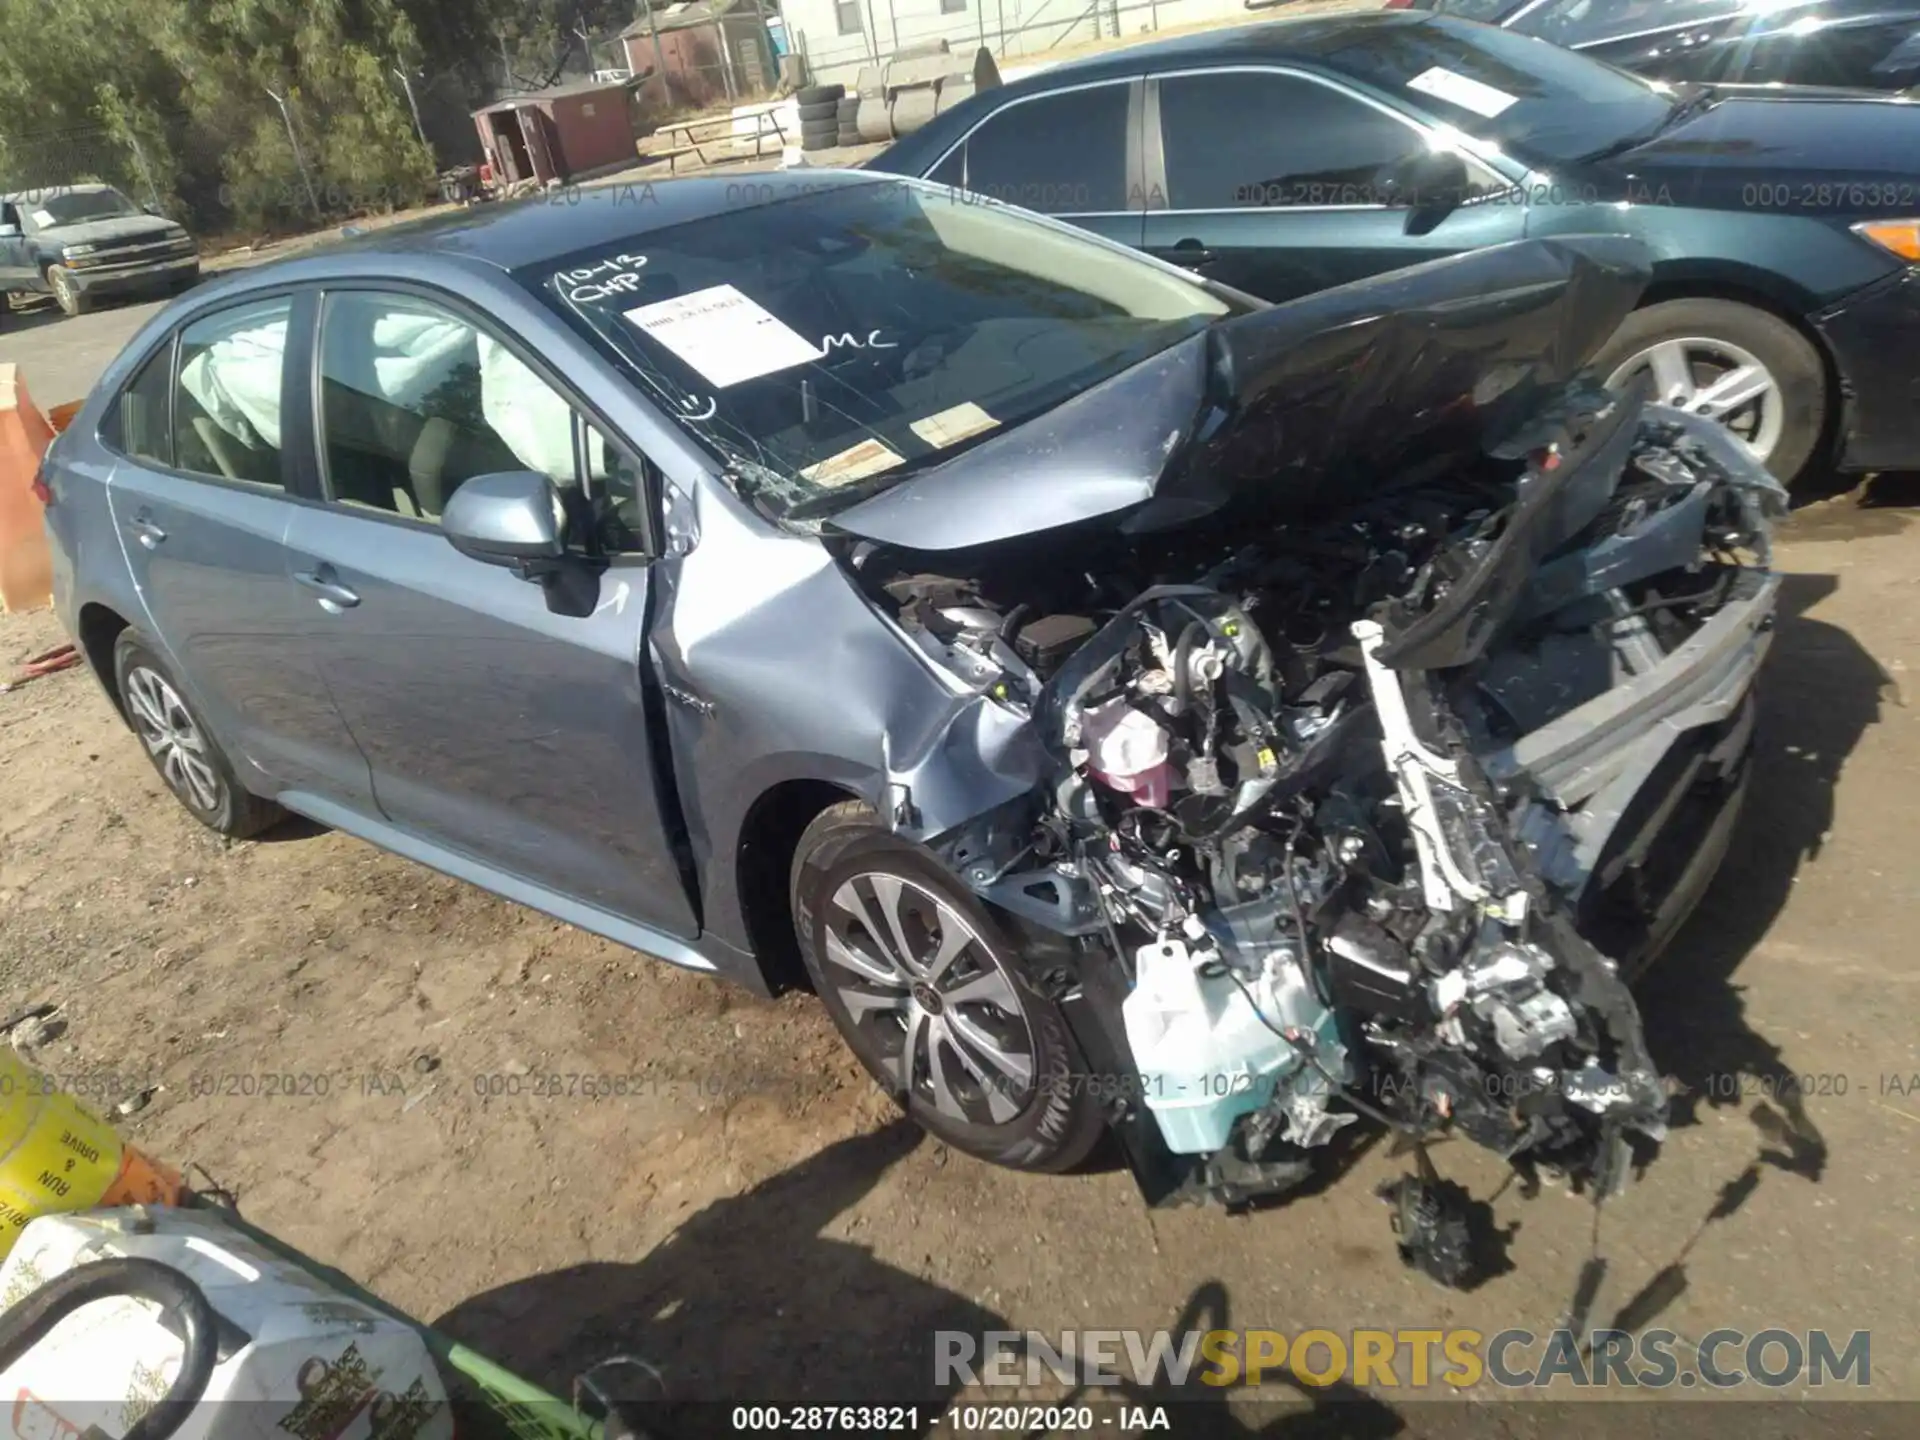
1372,813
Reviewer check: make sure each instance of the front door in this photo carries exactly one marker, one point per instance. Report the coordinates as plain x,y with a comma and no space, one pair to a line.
16,261
200,500
495,727
1271,181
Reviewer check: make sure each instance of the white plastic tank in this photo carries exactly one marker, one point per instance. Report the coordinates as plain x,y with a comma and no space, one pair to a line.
309,1362
1204,1056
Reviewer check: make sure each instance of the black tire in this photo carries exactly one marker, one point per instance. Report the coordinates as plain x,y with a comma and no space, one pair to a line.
818,142
820,94
1050,1122
156,707
848,137
1787,355
825,110
847,109
67,295
819,127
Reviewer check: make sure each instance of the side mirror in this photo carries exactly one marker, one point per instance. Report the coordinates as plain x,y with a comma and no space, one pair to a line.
9,232
1429,187
512,518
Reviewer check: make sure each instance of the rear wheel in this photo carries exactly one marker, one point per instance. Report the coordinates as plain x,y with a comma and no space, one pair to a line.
180,746
1749,370
932,999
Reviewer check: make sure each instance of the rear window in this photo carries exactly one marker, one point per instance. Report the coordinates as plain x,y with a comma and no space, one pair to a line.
827,346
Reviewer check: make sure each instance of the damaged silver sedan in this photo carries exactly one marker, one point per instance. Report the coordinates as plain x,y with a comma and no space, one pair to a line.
1131,707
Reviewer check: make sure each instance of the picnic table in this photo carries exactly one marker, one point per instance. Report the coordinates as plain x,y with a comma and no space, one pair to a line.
688,137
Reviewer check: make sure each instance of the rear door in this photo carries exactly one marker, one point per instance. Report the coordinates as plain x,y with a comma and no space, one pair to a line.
201,498
1072,153
497,727
1270,180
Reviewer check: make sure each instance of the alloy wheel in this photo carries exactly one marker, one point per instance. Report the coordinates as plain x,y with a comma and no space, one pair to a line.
173,739
925,991
1718,380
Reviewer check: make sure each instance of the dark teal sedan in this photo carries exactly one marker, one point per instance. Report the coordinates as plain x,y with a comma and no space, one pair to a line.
1289,157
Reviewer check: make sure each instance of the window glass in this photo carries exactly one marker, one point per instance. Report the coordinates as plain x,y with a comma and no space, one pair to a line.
1241,138
1587,22
140,427
1541,102
1488,12
835,343
414,402
227,402
1062,154
846,16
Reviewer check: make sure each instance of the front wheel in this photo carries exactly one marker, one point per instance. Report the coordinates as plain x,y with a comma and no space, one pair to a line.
66,293
933,1001
1749,370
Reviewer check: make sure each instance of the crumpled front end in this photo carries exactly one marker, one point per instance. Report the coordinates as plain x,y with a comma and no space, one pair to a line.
1373,781
1372,816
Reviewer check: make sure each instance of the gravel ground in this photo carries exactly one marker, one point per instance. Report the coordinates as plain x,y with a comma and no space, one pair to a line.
360,1050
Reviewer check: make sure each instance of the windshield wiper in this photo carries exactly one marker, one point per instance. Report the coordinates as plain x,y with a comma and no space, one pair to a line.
1695,98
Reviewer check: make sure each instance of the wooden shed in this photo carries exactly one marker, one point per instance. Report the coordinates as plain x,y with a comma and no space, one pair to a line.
569,132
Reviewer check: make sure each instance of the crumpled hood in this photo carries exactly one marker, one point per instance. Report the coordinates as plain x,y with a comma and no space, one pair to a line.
121,229
1291,407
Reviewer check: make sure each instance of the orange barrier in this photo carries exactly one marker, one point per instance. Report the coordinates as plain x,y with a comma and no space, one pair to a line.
26,568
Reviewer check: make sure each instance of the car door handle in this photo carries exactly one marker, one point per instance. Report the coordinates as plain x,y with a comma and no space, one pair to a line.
1190,252
145,531
333,596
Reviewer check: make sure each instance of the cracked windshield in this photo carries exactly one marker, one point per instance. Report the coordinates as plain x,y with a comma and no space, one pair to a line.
831,345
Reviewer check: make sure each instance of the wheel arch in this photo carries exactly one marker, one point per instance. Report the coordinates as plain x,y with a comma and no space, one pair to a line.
100,628
1763,291
763,861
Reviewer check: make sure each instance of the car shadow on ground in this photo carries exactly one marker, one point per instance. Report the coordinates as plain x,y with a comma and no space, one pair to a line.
1819,692
751,1302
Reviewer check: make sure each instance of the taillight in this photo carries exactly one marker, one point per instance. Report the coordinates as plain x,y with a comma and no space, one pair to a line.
42,491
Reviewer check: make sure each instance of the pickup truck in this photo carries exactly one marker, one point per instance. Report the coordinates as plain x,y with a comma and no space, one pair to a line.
80,243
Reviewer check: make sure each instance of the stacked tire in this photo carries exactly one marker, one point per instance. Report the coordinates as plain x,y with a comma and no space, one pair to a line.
847,115
820,116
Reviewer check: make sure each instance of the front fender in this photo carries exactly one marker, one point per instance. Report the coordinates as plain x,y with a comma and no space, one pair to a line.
773,667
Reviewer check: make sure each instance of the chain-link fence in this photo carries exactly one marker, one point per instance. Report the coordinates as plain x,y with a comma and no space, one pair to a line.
55,160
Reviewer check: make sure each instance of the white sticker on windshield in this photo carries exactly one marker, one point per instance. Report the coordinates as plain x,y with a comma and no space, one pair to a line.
724,335
44,219
1462,90
869,457
950,427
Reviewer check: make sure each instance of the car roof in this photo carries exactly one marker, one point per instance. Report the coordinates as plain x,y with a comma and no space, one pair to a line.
519,234
1312,40
28,197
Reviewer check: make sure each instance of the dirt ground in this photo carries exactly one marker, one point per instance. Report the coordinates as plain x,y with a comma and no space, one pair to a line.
747,1213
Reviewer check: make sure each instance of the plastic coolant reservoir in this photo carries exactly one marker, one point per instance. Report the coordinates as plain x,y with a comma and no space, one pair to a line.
298,1360
1203,1054
1127,751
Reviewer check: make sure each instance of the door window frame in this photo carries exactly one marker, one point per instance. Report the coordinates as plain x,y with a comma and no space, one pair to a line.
294,440
652,530
1133,168
1155,156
